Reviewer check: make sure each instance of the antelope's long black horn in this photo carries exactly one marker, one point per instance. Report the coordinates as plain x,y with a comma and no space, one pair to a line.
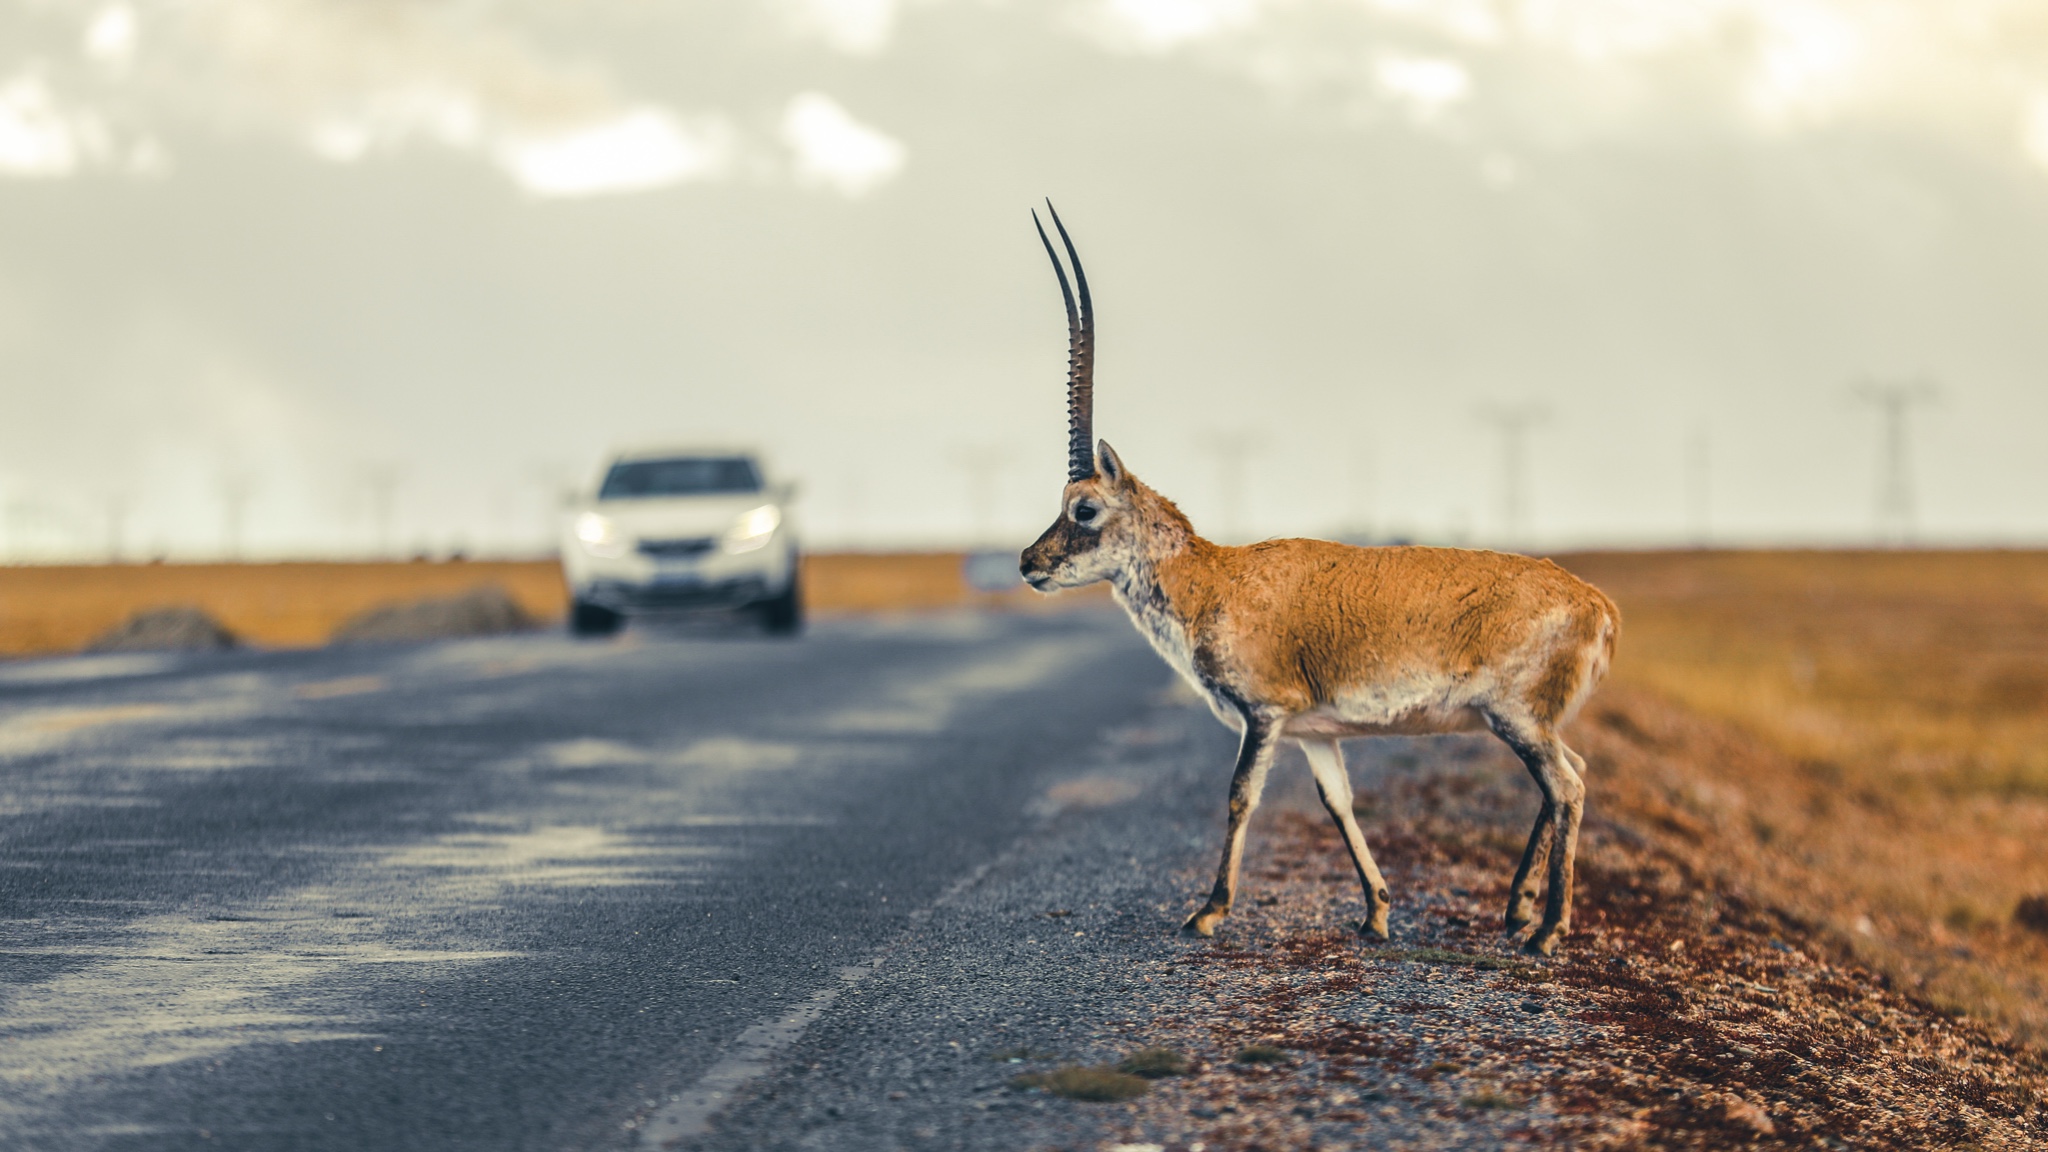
1080,353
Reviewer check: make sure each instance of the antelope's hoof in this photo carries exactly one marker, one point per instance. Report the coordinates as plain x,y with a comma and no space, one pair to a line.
1202,923
1514,921
1543,943
1375,928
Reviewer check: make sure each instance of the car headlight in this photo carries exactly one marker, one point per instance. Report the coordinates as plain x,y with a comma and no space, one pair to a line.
752,529
599,536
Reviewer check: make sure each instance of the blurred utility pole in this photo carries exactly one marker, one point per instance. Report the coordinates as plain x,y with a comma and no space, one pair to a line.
1513,422
1894,400
235,490
1699,462
382,482
1232,450
116,504
982,466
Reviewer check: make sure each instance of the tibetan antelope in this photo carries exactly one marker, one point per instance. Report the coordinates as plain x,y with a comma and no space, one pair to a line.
1315,642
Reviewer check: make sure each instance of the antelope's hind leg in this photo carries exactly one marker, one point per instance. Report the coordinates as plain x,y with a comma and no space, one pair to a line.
1254,759
1522,892
1555,838
1326,761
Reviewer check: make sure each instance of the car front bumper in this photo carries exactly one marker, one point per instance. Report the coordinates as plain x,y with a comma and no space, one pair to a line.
637,583
675,594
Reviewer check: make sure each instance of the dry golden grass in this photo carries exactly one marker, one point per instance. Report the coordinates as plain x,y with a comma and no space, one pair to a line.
62,608
1928,666
46,609
1862,735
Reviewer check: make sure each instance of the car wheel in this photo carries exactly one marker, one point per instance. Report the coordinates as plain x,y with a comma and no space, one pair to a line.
587,619
784,615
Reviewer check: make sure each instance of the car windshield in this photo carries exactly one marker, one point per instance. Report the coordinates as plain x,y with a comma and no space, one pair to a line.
681,476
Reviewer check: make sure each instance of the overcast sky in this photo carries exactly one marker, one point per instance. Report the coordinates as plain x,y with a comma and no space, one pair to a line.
282,254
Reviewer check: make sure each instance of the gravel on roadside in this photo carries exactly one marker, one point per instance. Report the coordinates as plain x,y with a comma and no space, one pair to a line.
1678,1015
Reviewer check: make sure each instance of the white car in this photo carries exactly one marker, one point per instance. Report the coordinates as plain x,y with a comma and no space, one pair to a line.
677,529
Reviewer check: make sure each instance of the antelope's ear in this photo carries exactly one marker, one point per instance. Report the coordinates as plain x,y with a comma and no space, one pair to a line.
1112,469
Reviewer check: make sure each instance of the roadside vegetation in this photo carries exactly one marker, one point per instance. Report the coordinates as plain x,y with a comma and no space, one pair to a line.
1861,736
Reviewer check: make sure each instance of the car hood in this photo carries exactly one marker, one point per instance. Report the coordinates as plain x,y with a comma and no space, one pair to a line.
677,517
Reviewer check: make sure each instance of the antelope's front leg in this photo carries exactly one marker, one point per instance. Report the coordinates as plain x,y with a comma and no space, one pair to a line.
1254,757
1326,762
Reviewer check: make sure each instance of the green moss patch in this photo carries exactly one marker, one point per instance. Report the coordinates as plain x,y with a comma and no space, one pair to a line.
1154,1063
1077,1083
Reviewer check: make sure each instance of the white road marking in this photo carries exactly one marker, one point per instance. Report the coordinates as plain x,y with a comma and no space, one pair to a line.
927,704
69,669
689,1114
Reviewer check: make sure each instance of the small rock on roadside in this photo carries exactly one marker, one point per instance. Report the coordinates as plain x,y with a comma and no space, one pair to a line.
1743,1114
2032,913
179,628
486,610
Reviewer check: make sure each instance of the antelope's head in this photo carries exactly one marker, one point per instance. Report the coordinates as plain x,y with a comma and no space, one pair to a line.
1098,529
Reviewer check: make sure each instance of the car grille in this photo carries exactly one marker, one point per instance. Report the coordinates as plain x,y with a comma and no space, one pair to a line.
677,549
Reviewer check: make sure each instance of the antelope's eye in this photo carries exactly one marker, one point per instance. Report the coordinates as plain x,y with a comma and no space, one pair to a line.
1084,512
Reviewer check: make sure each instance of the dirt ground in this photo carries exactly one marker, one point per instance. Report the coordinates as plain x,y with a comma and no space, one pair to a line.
1687,1010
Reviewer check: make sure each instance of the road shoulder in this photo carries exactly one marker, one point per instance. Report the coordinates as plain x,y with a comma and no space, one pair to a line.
1681,1013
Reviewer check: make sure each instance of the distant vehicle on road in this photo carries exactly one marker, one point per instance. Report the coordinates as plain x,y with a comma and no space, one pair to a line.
682,529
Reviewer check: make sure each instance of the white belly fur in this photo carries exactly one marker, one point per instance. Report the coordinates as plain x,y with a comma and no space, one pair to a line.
1418,705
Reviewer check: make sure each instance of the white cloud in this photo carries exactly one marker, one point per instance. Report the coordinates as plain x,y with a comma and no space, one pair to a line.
2034,129
833,150
639,150
40,137
386,120
353,81
1475,21
1615,29
1163,25
857,27
635,149
1805,60
1427,85
110,38
1561,71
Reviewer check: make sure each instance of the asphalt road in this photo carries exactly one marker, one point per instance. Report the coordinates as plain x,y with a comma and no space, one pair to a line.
506,894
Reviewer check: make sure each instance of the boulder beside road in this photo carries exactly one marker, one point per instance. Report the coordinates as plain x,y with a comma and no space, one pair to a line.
179,628
486,610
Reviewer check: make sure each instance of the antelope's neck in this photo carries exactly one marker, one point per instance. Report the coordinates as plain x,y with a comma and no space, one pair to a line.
1163,623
